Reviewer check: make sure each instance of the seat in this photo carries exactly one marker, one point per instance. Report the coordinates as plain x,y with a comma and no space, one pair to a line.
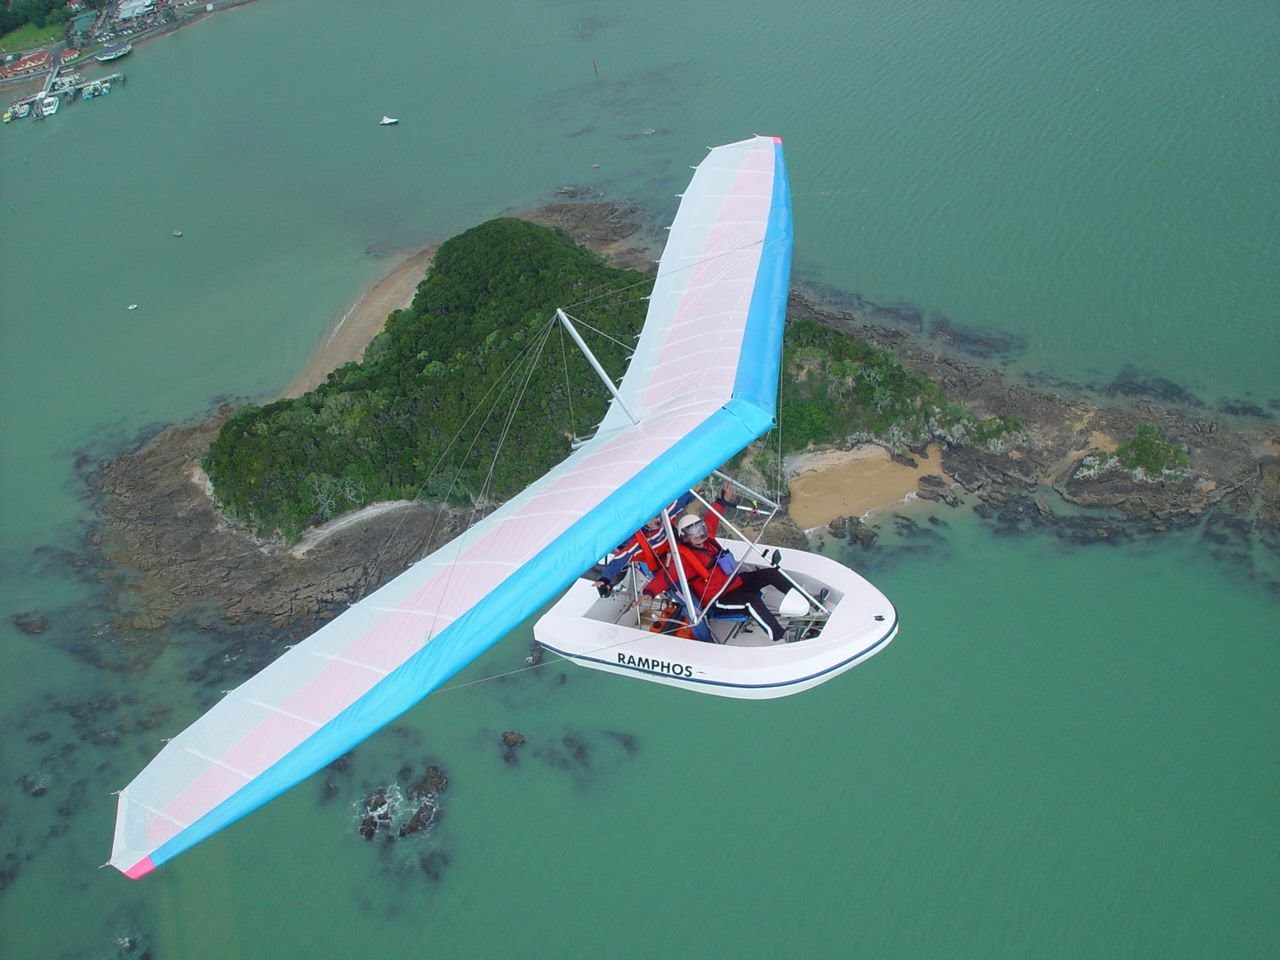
702,629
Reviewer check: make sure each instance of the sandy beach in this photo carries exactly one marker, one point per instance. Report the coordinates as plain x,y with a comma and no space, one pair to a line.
363,320
852,483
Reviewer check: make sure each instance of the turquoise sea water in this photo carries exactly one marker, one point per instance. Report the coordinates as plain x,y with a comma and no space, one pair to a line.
1067,752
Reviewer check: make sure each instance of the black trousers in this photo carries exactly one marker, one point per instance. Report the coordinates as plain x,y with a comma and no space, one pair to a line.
745,598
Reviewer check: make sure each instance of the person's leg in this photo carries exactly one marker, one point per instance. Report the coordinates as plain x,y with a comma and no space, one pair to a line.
760,577
752,604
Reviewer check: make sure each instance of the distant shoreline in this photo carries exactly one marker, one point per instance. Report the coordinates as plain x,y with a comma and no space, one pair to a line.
35,81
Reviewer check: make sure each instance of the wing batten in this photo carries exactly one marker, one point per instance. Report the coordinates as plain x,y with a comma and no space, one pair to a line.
378,659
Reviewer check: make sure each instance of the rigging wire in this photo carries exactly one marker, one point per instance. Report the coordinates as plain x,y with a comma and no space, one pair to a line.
598,332
568,386
500,384
486,487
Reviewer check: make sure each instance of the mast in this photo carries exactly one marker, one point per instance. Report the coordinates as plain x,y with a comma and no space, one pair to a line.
595,364
695,615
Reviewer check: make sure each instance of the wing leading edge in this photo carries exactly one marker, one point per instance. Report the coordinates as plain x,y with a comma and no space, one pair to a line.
704,383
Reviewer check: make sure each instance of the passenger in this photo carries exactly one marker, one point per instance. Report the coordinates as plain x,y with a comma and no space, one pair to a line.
647,548
708,567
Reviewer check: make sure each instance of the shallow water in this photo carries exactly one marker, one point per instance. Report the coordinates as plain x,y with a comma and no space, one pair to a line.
1066,752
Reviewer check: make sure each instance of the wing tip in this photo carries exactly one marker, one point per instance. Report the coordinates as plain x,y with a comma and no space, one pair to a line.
139,869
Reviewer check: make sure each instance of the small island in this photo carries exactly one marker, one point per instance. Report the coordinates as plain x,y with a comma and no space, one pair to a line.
287,512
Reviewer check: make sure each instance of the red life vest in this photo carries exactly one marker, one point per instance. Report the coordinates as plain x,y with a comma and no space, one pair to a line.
641,540
701,568
704,573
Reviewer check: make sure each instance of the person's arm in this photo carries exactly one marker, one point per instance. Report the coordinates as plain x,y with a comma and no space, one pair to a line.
658,583
719,507
611,570
625,553
681,504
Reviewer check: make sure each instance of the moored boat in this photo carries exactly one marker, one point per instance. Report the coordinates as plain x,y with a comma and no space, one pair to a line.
114,52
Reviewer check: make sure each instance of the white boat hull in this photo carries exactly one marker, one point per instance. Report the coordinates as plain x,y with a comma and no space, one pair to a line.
603,634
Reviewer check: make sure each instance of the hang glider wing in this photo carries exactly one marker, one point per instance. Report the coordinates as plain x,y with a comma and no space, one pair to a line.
702,385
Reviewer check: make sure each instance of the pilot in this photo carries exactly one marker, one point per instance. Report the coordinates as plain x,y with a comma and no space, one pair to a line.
709,567
647,548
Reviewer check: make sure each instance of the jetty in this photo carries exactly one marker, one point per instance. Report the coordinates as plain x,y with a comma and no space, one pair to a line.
78,87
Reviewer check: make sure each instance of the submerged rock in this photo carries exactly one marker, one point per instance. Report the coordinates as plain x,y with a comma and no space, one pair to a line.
985,344
1132,382
433,863
399,812
31,622
432,784
377,815
861,533
424,817
511,741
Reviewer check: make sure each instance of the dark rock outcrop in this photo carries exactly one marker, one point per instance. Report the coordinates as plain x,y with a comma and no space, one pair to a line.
31,622
171,550
932,487
511,742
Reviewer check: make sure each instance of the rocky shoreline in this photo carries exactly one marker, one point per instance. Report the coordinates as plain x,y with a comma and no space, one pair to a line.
1062,423
168,554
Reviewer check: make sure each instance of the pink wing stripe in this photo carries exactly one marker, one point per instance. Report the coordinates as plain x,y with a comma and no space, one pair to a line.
697,300
277,734
395,638
214,784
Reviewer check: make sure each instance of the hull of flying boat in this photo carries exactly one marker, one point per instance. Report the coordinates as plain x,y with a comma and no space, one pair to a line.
608,633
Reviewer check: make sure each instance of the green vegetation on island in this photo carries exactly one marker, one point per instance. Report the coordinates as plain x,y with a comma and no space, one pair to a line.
438,388
1145,455
437,392
1148,451
838,388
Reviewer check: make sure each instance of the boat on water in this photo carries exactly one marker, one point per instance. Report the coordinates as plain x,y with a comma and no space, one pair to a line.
49,106
114,52
701,386
388,121
21,109
8,116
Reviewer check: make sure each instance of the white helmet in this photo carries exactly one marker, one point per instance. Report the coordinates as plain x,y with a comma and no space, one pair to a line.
691,525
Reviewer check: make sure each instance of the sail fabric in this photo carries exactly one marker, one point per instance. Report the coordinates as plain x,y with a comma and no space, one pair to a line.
702,384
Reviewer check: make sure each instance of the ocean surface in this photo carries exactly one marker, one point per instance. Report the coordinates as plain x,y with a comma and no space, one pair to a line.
1069,751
